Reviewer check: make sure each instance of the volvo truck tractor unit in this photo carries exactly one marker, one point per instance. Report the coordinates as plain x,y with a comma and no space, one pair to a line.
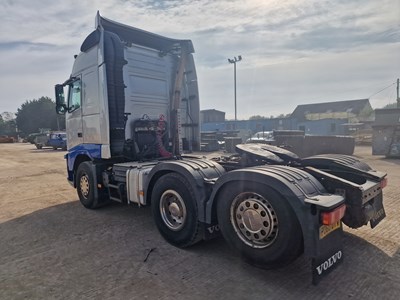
132,110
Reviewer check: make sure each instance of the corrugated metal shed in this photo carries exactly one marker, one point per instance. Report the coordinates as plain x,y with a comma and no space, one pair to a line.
387,117
211,115
386,132
330,110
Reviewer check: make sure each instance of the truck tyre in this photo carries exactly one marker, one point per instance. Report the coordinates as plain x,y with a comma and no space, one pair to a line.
54,148
260,224
85,186
175,211
38,146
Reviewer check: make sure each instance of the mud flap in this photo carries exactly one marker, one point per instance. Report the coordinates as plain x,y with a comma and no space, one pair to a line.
330,252
211,231
379,211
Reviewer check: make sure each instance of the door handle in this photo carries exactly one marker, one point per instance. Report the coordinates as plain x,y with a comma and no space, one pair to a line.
79,134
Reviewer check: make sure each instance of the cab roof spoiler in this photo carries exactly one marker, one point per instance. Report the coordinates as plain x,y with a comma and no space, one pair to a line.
138,36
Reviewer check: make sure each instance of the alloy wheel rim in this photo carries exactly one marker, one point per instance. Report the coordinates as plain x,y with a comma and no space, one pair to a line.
173,210
254,220
84,185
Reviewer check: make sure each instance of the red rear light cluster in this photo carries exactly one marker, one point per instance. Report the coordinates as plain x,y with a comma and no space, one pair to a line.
384,182
333,216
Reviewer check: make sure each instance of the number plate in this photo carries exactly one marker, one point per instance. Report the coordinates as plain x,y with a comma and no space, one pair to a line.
379,212
324,230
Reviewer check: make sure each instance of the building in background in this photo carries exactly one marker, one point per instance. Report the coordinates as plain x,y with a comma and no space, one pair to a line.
211,116
333,118
330,118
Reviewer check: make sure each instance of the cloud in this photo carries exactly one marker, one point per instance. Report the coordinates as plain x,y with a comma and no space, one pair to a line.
293,51
7,46
278,88
341,39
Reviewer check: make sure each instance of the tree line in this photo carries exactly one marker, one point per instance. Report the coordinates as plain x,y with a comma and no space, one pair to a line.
32,116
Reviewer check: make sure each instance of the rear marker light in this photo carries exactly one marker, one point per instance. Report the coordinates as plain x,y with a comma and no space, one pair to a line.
332,217
384,182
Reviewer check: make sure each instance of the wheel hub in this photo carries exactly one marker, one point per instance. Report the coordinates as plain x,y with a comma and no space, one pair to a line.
84,185
254,220
172,210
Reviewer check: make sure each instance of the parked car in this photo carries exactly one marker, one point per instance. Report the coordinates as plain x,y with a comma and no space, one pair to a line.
264,137
54,139
6,139
31,137
42,140
58,140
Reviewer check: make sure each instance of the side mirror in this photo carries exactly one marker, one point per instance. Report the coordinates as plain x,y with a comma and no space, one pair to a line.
61,107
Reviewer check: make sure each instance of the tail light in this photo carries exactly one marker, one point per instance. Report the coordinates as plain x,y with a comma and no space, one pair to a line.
333,216
384,182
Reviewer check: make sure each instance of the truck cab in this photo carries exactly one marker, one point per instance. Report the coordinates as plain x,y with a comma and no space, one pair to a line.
129,91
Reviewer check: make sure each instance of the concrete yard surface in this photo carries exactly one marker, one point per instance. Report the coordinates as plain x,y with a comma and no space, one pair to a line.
51,247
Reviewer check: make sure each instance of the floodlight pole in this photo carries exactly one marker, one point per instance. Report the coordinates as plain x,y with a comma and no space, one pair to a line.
398,98
234,61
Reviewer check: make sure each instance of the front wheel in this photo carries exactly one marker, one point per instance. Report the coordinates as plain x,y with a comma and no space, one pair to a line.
260,223
86,185
175,211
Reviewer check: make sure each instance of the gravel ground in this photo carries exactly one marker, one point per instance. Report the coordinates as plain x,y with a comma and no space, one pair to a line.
53,248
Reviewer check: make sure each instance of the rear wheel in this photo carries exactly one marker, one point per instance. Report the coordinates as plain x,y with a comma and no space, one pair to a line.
260,223
175,211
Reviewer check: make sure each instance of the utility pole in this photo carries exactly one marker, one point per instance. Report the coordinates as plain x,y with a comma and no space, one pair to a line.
234,61
398,98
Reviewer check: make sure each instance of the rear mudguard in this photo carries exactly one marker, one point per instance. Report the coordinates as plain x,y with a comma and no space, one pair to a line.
356,181
343,165
199,173
305,194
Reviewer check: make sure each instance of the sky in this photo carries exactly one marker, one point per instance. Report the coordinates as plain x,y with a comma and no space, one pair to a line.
294,51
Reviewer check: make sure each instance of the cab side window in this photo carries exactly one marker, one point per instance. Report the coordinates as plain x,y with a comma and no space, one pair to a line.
74,96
